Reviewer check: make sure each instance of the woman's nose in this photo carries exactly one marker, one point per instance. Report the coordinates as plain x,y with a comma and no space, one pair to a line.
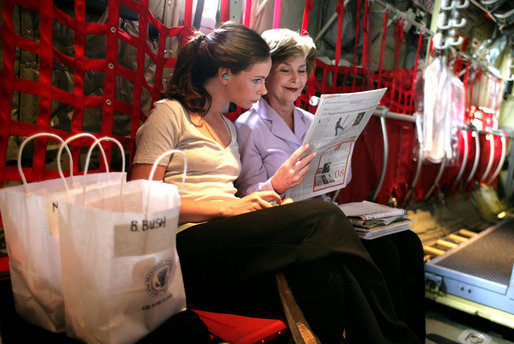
263,90
294,76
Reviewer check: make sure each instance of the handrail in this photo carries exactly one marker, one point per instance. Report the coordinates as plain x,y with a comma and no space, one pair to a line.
464,157
477,157
502,160
384,113
489,138
385,153
437,178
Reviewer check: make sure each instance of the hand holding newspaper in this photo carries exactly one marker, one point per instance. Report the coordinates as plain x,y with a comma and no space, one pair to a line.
338,122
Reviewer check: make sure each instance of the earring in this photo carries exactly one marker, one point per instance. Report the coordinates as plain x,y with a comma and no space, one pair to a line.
225,76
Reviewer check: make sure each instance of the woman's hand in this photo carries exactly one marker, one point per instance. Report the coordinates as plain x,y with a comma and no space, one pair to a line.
198,211
254,201
293,171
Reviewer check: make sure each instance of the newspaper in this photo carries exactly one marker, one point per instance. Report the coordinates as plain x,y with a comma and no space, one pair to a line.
338,122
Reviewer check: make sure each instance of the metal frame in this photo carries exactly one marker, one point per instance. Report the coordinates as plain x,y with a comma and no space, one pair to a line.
383,113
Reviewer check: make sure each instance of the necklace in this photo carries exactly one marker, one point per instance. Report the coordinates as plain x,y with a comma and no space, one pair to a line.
202,123
207,127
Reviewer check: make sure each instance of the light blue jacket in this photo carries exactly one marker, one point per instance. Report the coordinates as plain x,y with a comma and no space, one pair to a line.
265,143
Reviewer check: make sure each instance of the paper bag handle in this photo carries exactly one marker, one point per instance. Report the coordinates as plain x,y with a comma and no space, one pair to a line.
88,157
20,150
154,167
65,144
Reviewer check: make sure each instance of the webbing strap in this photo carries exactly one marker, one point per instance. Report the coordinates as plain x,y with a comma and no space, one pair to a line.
384,30
248,13
305,20
356,44
276,14
466,100
398,34
415,69
365,29
6,80
340,16
188,14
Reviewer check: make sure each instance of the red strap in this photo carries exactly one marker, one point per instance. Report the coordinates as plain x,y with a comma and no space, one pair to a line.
356,43
45,86
6,80
248,13
466,100
188,12
415,70
365,35
486,90
306,11
398,40
471,91
276,14
384,30
478,81
340,13
458,65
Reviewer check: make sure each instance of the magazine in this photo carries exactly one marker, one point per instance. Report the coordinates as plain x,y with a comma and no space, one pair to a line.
381,231
338,122
367,210
373,220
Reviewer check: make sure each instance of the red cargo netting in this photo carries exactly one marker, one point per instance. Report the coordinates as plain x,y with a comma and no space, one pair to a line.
51,60
49,56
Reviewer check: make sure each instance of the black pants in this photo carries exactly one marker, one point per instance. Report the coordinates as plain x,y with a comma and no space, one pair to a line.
400,259
228,264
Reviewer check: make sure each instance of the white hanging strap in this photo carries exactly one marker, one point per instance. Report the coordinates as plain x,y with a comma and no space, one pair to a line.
106,138
65,143
20,150
154,167
88,157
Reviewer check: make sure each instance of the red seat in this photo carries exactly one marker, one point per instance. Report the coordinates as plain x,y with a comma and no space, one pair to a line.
237,329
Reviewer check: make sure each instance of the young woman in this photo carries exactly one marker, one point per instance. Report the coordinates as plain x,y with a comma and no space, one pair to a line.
230,247
270,140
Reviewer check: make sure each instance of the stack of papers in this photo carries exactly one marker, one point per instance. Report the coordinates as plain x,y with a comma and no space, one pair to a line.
372,220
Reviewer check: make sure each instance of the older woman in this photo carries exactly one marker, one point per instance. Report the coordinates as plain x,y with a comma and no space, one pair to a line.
270,142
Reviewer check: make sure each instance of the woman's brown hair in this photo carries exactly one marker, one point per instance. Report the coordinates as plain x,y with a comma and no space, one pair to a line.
232,46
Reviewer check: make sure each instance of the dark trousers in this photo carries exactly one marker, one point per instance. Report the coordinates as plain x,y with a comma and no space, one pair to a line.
229,263
399,257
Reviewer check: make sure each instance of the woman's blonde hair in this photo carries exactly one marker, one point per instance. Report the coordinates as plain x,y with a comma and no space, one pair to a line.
285,43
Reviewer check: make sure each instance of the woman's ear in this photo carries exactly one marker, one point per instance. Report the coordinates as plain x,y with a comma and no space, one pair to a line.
224,75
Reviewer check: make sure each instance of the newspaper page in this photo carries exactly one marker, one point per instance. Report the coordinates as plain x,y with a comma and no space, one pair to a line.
338,122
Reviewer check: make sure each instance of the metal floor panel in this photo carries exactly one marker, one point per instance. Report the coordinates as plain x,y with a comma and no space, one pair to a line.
479,270
489,256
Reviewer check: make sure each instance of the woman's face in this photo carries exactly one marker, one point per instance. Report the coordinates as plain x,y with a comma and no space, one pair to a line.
247,87
287,79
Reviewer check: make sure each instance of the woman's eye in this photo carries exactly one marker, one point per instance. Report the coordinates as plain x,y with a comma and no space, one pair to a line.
302,71
284,70
256,81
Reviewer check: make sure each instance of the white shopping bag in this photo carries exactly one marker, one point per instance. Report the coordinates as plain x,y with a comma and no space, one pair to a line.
30,222
121,271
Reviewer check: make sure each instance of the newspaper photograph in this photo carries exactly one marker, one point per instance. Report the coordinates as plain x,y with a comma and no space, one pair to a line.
339,120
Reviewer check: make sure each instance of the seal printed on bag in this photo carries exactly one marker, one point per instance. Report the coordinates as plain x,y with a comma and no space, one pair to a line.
157,279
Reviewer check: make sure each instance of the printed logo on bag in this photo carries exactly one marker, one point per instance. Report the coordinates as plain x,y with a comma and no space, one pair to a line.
157,279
